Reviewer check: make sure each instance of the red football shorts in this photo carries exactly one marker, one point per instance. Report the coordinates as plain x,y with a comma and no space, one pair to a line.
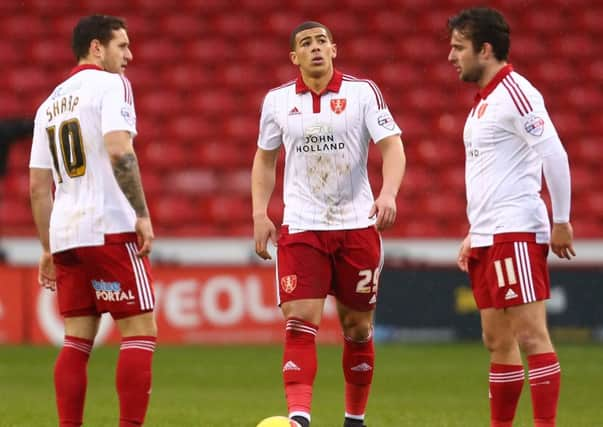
344,263
511,272
109,278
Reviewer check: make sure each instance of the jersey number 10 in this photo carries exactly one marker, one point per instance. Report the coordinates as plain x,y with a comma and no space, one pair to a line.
71,146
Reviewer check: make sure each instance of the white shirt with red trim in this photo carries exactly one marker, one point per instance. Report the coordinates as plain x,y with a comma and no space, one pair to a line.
326,140
503,171
68,138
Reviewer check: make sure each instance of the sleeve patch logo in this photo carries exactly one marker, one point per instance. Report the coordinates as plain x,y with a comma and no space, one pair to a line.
386,121
534,125
128,116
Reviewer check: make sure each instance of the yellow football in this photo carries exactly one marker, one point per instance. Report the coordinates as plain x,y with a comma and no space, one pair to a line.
278,421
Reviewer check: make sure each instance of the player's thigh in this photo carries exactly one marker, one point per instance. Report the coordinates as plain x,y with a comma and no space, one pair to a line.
82,326
497,329
138,325
529,321
75,296
357,268
123,284
303,267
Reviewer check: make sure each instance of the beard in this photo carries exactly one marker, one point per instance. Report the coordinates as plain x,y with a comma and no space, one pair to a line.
473,74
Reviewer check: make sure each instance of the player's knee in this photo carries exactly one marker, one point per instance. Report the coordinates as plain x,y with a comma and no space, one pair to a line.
531,341
356,329
498,343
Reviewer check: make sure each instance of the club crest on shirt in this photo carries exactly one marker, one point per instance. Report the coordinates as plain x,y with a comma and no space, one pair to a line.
289,283
338,105
386,121
534,125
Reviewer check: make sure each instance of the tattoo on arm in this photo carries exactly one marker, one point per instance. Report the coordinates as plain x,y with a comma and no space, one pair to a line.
128,177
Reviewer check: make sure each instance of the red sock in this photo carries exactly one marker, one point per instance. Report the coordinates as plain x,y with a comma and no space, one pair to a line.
506,382
358,363
545,378
133,379
70,380
299,365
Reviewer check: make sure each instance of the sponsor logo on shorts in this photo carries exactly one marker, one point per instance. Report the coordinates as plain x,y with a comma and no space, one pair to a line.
510,294
289,283
111,291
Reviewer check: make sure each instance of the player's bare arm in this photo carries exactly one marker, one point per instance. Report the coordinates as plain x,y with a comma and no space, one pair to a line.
394,165
127,174
263,176
40,191
562,238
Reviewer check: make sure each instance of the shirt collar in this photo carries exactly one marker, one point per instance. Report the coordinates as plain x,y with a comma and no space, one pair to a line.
489,88
333,86
82,67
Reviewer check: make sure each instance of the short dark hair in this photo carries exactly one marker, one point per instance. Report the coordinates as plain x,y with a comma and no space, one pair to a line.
99,27
306,26
483,25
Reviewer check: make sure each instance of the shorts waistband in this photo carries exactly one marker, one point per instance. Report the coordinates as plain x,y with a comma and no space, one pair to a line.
514,237
117,238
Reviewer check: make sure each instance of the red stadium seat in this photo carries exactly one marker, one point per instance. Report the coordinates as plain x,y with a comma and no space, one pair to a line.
342,22
585,97
192,181
165,155
230,209
397,74
235,23
282,22
192,128
156,52
158,104
184,26
171,211
16,184
215,102
210,50
187,77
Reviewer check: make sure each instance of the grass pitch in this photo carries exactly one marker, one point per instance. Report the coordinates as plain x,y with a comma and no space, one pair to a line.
415,385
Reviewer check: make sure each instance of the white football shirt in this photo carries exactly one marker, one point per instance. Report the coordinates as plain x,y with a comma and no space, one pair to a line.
503,172
326,139
68,138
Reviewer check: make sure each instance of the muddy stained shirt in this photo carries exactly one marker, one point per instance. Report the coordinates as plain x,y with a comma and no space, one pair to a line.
326,139
68,139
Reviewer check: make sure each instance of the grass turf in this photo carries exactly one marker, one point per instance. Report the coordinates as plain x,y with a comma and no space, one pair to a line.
442,385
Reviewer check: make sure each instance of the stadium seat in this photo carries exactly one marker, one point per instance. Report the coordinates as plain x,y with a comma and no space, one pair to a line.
235,24
230,209
282,22
343,22
192,182
158,104
214,102
210,50
183,26
585,97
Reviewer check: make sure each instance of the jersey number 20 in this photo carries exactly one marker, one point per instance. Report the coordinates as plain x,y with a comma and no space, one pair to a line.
71,146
